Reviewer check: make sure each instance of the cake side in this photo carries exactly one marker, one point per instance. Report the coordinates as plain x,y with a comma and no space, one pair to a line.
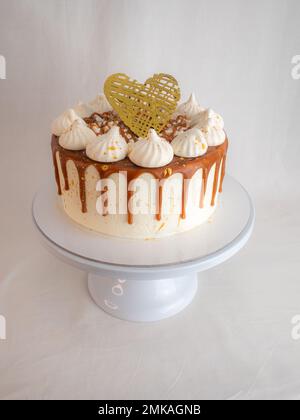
188,192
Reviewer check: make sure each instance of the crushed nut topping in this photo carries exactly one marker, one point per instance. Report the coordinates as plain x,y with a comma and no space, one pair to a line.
168,172
174,127
102,123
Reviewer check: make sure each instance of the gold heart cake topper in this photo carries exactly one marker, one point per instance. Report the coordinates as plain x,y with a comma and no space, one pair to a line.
142,106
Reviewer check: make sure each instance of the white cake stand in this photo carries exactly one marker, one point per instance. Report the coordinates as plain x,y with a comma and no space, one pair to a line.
146,280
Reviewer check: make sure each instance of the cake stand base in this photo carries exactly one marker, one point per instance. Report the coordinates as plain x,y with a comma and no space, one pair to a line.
140,280
147,300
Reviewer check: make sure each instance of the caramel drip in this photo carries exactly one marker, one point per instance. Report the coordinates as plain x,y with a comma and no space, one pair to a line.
56,171
160,191
203,186
222,173
215,184
186,167
82,189
63,163
129,214
183,197
105,202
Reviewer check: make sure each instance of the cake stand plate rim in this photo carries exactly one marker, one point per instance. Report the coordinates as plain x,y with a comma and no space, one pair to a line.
196,264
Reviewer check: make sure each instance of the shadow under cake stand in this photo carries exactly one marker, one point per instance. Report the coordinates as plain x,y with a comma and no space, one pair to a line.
146,280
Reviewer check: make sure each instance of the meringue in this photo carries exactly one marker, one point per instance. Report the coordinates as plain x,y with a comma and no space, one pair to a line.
189,108
108,147
77,137
190,143
63,123
152,152
131,143
211,124
100,104
83,110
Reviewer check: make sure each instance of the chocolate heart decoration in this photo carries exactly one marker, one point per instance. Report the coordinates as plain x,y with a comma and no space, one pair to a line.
142,106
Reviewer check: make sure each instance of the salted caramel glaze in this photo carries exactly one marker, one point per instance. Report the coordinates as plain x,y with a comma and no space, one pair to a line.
77,176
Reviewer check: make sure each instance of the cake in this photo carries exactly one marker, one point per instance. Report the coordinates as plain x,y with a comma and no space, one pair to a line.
139,168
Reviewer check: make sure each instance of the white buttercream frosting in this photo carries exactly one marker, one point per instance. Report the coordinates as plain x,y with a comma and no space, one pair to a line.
63,123
77,137
189,108
100,104
211,125
83,110
108,147
152,152
190,143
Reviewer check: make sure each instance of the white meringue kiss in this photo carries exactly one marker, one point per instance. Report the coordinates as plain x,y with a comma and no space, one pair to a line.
190,143
189,108
100,104
207,117
214,136
83,110
77,137
211,124
108,147
63,123
152,152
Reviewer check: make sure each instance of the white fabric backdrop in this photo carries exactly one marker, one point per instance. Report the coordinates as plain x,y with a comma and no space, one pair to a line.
234,341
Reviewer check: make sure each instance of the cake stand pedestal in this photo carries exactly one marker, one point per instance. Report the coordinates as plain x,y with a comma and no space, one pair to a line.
146,280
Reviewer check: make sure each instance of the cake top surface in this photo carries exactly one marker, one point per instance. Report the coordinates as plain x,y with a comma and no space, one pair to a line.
140,123
102,123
